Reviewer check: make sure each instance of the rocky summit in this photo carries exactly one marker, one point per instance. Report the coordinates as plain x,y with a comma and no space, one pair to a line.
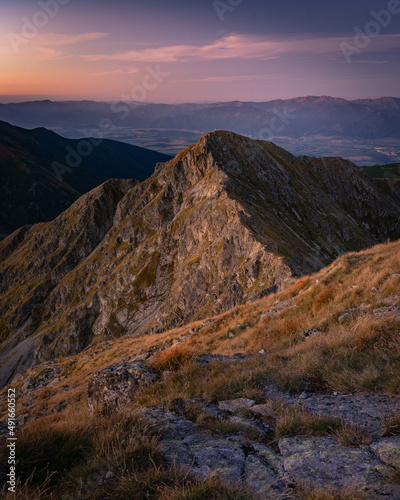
225,222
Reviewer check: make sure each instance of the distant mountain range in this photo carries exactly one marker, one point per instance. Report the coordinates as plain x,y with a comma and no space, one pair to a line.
42,173
364,130
225,222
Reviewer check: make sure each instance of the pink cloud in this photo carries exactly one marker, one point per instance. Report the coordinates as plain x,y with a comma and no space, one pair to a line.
238,46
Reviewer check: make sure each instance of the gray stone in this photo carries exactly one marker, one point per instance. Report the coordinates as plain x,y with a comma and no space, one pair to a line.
207,358
388,312
208,322
184,445
321,461
364,410
113,387
264,410
388,450
235,404
268,456
261,479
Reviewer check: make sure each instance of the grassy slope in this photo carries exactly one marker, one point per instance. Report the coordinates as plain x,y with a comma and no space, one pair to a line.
358,353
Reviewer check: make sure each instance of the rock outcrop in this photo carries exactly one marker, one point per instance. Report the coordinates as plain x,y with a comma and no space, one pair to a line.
305,462
114,387
227,221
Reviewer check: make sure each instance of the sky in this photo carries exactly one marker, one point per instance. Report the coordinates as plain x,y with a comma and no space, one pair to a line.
175,51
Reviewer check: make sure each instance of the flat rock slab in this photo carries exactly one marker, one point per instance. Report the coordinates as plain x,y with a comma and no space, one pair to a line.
184,445
388,450
261,479
233,405
363,410
322,462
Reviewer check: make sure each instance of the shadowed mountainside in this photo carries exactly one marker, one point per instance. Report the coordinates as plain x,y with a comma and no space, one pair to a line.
32,190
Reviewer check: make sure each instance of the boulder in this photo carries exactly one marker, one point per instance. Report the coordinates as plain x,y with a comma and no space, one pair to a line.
112,388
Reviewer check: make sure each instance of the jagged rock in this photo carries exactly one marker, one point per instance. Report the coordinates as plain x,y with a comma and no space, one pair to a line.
42,378
235,404
387,312
353,313
207,358
212,229
388,450
392,300
114,387
310,333
321,461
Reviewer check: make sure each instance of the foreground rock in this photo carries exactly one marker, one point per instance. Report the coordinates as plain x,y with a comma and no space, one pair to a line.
388,450
114,387
238,458
321,461
363,410
257,468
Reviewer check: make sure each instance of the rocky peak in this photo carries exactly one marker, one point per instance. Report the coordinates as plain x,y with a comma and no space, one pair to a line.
225,222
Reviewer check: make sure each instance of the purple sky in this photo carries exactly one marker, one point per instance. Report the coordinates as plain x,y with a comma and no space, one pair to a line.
196,50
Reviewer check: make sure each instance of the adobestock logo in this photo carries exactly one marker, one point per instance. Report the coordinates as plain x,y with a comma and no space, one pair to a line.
277,124
372,29
151,80
227,6
48,9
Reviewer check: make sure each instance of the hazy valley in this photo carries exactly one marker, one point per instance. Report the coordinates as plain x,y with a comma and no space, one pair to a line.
365,131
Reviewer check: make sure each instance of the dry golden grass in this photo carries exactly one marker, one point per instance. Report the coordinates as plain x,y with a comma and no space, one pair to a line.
294,420
171,359
359,354
391,425
64,456
310,492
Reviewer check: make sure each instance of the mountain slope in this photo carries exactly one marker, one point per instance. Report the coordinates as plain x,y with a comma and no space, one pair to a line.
32,190
226,221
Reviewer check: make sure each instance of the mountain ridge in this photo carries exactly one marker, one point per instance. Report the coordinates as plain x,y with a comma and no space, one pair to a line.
227,221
